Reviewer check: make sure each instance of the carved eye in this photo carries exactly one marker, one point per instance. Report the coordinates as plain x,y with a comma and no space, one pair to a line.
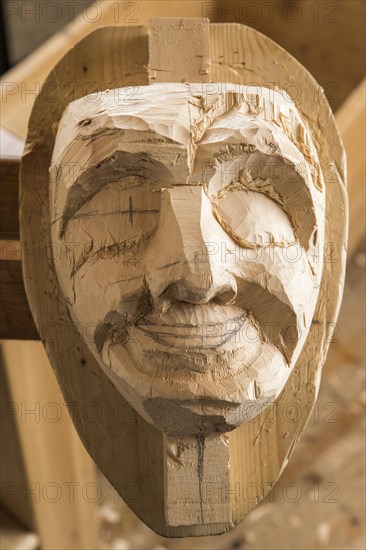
113,221
252,219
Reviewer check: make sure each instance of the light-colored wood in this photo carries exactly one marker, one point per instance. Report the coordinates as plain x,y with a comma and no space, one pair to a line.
14,536
195,467
306,30
12,470
20,85
260,449
61,482
319,501
168,61
133,273
351,120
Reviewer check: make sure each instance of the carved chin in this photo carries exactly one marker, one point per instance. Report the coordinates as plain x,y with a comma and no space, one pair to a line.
197,390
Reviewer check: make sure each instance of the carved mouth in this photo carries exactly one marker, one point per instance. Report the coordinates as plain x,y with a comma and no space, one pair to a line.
193,327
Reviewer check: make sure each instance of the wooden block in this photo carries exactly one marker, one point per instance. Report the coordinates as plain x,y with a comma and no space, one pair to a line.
179,50
197,480
260,449
256,435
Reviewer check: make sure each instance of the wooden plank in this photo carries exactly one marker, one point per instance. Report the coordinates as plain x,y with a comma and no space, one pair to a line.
12,468
13,536
11,146
351,119
61,478
168,60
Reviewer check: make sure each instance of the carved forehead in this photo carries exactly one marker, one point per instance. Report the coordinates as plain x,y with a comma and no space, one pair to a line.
180,112
181,133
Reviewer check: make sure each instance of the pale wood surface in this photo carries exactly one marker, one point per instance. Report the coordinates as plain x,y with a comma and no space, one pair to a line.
14,536
12,468
329,58
319,501
351,119
264,441
20,85
353,524
57,472
168,61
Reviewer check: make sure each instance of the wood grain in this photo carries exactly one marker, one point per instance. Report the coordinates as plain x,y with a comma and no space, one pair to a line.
259,450
319,501
168,61
351,119
60,483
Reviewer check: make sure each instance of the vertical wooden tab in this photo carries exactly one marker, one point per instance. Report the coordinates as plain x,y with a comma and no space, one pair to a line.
179,50
197,480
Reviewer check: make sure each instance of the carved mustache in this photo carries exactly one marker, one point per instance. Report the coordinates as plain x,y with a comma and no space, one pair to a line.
185,326
115,325
176,329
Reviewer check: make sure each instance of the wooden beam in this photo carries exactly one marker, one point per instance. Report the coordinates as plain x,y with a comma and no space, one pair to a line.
9,203
260,448
13,535
16,321
351,119
61,485
12,467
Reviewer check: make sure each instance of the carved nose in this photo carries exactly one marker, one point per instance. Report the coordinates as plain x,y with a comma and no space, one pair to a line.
189,270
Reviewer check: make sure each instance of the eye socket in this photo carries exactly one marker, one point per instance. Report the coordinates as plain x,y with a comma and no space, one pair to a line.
114,221
252,219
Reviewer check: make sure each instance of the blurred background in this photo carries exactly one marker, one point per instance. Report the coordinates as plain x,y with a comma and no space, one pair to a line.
319,501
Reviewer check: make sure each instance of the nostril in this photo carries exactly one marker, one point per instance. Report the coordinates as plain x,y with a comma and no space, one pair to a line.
181,291
225,296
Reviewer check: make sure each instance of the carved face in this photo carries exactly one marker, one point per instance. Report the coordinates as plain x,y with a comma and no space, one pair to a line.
190,221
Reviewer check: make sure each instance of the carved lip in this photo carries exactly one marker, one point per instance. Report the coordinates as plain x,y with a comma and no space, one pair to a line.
197,327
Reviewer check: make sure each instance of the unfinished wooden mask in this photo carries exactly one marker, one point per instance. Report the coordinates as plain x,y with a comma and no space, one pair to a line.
190,219
198,236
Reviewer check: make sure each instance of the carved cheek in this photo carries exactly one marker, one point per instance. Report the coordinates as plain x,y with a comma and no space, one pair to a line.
103,249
